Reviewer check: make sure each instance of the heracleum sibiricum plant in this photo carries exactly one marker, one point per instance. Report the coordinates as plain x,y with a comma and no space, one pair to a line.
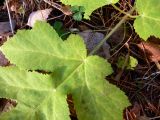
43,96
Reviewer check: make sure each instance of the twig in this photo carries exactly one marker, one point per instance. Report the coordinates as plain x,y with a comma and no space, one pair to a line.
121,11
10,20
55,5
150,76
111,32
157,64
118,76
155,118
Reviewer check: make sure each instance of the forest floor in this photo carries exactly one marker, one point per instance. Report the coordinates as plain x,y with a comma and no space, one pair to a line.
141,83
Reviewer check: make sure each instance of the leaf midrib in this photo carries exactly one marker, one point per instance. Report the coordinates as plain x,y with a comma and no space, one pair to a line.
152,18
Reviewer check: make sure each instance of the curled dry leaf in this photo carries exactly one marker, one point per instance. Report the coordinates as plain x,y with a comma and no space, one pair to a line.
152,50
40,15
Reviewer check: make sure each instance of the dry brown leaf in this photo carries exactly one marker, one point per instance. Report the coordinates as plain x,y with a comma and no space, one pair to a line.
135,111
152,50
6,104
40,15
67,10
3,60
92,39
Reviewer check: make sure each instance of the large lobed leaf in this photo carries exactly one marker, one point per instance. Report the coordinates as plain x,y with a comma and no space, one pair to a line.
43,97
36,95
41,48
148,21
89,5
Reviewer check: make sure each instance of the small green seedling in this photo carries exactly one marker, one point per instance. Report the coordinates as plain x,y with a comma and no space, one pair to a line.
77,12
130,65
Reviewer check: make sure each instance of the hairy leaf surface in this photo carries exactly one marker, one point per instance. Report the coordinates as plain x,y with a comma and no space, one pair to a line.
89,5
72,72
35,93
148,22
41,48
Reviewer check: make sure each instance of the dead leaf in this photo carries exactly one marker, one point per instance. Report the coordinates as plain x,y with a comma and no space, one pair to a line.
118,36
66,10
3,60
152,50
135,111
6,105
92,39
40,15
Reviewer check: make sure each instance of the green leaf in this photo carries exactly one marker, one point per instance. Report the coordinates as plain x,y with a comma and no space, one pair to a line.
35,93
58,26
75,9
95,96
148,22
89,5
121,61
77,12
131,64
41,48
77,16
81,9
43,97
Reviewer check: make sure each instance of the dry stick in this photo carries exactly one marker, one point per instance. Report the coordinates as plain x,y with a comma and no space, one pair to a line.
55,5
118,76
10,20
111,32
121,11
59,7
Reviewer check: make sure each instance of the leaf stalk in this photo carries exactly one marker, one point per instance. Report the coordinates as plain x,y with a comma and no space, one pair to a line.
111,32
